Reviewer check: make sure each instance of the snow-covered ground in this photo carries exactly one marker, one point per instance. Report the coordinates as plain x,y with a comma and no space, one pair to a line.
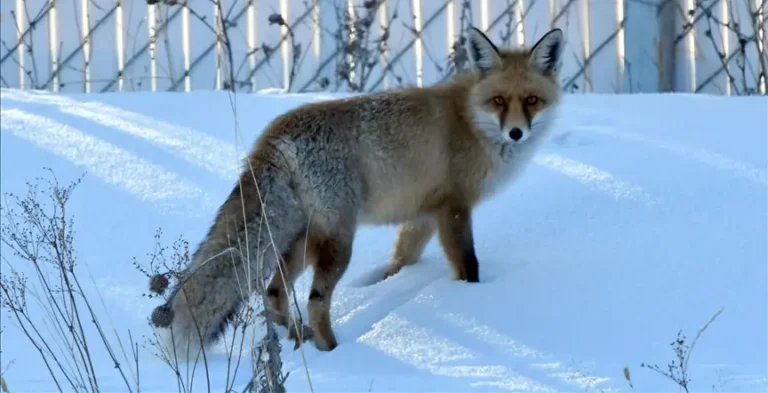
644,215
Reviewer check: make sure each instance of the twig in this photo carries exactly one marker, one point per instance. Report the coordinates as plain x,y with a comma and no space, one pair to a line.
677,369
44,238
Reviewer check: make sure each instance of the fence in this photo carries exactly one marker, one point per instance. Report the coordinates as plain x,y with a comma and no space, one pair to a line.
613,46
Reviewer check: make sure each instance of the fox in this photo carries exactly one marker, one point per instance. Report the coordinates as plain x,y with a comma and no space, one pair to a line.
420,158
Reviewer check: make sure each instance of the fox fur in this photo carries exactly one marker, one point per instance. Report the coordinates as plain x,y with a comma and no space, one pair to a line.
422,158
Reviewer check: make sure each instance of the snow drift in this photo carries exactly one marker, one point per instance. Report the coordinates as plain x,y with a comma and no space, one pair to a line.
642,216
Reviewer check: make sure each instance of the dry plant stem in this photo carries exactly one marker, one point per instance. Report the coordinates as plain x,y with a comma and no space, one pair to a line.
47,239
628,377
181,258
173,364
135,352
31,74
458,59
58,319
275,379
107,346
4,370
678,373
734,25
740,53
762,55
698,334
119,340
271,379
202,353
30,50
23,326
506,35
229,385
32,23
359,52
277,19
229,85
363,53
722,56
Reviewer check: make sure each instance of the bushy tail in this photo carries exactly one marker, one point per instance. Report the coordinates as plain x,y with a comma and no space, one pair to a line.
234,259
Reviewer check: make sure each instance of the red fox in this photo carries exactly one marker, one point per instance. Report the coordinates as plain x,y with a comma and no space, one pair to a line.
421,157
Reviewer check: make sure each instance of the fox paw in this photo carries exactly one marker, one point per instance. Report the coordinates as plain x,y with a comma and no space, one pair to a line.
299,335
391,270
325,345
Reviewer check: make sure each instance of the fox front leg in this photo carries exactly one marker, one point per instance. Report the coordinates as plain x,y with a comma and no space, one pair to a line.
454,224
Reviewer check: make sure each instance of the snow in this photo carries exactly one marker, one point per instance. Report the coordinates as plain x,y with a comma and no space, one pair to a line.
643,215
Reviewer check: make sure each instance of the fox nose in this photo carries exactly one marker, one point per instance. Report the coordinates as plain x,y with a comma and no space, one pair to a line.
516,134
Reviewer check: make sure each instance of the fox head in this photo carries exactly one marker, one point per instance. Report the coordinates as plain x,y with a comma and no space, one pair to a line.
512,100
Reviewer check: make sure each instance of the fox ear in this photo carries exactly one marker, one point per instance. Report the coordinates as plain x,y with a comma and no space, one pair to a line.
546,53
483,54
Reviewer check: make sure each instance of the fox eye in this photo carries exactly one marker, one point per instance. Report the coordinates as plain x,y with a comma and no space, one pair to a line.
499,100
531,100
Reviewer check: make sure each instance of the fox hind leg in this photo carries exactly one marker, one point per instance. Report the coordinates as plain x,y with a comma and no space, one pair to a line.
333,256
412,237
280,287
